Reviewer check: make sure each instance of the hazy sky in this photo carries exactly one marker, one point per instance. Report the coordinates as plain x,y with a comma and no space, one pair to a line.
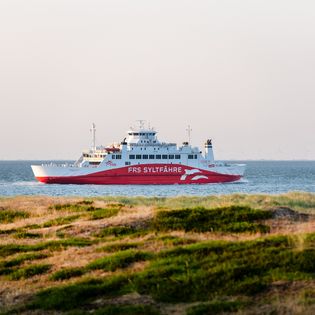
241,72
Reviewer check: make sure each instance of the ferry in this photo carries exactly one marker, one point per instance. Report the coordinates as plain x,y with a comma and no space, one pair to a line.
144,160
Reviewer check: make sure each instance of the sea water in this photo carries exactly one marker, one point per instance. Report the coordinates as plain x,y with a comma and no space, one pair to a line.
266,177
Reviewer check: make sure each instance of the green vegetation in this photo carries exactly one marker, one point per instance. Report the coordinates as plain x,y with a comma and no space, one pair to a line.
216,307
101,213
175,240
120,247
9,216
20,259
95,213
162,260
61,221
122,310
67,273
71,297
228,219
192,273
295,200
24,234
10,249
30,271
121,231
121,259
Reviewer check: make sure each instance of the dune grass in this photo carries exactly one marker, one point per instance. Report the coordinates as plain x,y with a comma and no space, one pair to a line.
67,273
10,249
191,273
216,307
9,216
60,221
207,255
29,271
227,219
121,259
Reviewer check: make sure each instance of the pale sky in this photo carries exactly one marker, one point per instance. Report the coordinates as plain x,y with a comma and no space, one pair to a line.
241,72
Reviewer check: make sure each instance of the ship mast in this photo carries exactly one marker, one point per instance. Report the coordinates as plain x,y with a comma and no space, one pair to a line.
189,130
93,130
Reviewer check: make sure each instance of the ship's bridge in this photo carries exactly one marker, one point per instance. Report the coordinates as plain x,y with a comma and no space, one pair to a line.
142,137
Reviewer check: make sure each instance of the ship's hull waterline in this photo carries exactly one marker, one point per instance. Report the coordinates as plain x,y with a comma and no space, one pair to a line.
144,174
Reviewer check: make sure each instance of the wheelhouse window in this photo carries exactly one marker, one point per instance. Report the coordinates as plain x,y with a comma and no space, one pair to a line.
131,156
145,156
151,156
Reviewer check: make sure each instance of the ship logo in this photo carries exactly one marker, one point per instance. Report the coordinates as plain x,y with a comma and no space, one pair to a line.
192,172
110,163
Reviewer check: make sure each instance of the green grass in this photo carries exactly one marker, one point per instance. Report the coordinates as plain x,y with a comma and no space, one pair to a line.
121,231
9,266
102,213
30,271
20,259
121,259
71,297
234,219
120,247
10,249
121,310
67,273
9,216
192,273
175,240
25,234
216,307
61,221
297,200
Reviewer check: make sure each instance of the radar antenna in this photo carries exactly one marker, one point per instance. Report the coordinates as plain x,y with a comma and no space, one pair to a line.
189,130
93,130
141,123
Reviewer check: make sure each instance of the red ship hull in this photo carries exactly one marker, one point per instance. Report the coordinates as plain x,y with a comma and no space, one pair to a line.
149,174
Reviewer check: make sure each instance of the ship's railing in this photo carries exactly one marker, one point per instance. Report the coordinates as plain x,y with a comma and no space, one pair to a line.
60,164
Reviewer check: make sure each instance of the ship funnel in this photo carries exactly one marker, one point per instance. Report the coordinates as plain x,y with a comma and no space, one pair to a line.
209,152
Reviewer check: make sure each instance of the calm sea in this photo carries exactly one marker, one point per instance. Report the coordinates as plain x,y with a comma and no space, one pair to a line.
272,177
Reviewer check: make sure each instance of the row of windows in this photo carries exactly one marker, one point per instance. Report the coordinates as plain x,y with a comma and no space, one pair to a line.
116,156
159,156
141,134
